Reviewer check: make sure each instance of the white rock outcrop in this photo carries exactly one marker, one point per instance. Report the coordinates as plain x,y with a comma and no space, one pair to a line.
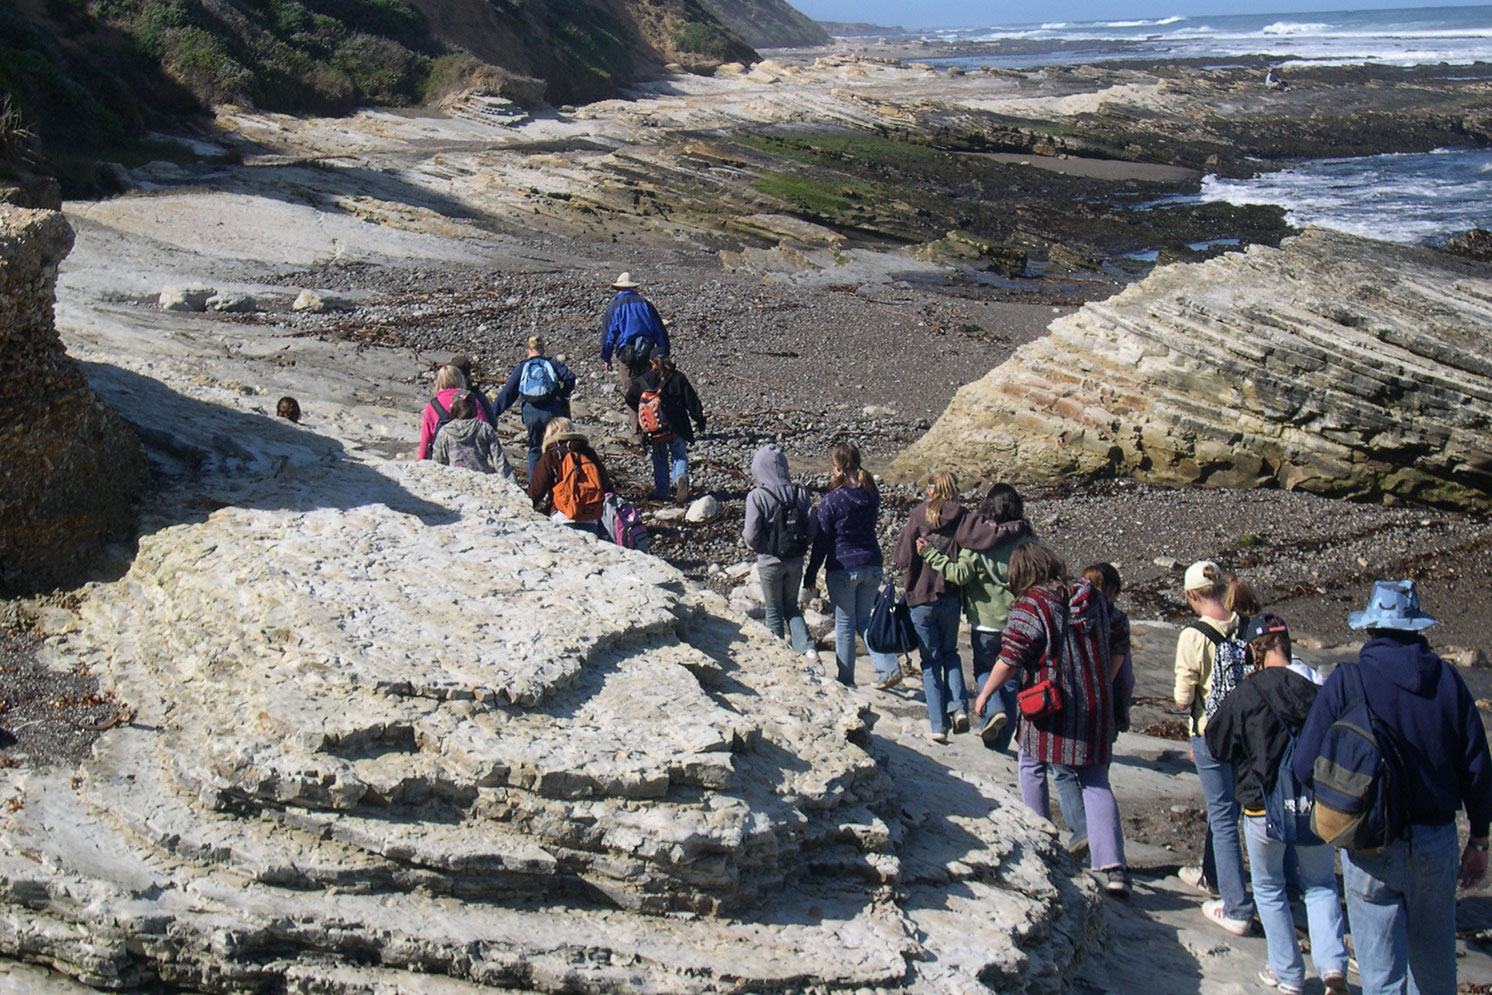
395,731
1334,364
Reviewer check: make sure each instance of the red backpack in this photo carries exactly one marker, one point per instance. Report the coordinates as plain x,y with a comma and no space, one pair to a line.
577,491
650,418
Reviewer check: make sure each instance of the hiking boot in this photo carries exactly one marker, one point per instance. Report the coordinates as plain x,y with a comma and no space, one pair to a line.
1113,880
1335,982
1267,979
888,683
1197,878
960,721
1078,848
994,724
1238,927
681,490
937,737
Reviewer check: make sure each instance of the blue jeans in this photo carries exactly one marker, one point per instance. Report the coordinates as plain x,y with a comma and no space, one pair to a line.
986,646
1094,798
1323,904
1222,820
1070,801
1412,881
669,464
535,418
852,592
780,584
942,671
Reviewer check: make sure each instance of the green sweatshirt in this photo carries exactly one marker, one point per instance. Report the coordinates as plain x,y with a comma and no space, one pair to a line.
982,579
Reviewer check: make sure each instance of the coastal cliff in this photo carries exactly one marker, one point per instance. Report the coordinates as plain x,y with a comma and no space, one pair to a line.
1334,364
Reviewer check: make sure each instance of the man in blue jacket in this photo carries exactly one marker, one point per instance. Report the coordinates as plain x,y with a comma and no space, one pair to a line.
1412,880
632,331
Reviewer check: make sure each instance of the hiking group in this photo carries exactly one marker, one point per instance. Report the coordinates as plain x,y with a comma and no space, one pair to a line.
1373,763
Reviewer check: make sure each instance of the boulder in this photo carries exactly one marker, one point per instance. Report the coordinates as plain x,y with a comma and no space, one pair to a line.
1473,244
185,298
233,303
1333,364
311,302
704,509
72,469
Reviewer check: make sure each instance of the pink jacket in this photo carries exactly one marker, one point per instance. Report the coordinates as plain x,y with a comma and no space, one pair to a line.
431,419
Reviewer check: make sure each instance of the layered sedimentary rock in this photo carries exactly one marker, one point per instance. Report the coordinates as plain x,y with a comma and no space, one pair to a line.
71,469
1334,364
394,732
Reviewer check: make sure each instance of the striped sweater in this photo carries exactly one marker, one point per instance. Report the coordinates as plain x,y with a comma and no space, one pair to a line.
1089,635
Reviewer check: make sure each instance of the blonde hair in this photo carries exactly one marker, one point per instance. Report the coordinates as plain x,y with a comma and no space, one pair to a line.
845,459
944,489
1240,596
450,376
536,343
556,428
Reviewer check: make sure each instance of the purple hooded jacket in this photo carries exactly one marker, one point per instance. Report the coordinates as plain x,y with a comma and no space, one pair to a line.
847,532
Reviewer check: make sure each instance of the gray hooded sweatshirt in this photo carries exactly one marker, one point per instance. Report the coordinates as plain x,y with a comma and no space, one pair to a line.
773,485
478,435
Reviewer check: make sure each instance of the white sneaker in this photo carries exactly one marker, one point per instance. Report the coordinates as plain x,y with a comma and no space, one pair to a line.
811,655
1195,877
1238,927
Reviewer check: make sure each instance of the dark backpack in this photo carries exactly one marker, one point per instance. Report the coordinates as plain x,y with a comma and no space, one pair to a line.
1287,803
1229,663
538,381
442,415
1360,779
632,320
787,532
890,628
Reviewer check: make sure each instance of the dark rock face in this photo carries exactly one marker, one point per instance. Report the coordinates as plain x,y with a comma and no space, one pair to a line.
1473,244
72,469
1334,364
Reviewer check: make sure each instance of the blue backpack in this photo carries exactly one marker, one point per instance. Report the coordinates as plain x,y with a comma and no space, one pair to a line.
1360,779
1287,804
538,381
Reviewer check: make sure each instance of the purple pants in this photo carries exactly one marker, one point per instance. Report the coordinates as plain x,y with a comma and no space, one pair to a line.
1105,836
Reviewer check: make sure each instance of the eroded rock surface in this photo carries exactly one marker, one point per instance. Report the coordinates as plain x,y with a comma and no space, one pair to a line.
1335,364
395,732
71,469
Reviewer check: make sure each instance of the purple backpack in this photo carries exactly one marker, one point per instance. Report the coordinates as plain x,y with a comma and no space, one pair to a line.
622,524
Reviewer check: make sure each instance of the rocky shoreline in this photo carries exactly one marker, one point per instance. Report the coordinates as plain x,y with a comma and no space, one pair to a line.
277,559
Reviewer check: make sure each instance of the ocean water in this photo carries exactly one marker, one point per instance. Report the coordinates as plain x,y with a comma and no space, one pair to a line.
1401,37
1412,198
1404,198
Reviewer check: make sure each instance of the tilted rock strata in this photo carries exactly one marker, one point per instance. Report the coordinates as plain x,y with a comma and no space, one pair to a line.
395,732
71,468
1335,364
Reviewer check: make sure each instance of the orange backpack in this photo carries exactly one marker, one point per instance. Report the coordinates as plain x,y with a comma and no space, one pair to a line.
578,492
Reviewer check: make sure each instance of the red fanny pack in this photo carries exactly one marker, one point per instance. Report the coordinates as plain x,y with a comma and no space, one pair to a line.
1040,700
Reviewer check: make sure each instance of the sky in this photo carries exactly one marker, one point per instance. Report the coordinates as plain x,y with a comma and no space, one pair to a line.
957,13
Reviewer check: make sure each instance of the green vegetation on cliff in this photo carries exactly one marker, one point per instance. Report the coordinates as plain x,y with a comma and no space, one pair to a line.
768,23
90,76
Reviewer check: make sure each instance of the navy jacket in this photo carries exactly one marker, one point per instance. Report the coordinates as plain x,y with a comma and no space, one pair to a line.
847,532
509,396
1425,701
638,317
